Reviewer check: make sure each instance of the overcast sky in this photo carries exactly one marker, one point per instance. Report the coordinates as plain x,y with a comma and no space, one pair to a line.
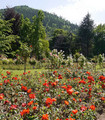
72,10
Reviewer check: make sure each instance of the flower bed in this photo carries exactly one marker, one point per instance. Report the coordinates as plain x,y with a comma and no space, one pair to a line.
65,94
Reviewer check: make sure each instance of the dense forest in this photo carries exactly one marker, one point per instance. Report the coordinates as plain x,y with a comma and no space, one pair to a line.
23,26
50,21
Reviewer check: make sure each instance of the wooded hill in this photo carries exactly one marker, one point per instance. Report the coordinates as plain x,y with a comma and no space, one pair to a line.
51,21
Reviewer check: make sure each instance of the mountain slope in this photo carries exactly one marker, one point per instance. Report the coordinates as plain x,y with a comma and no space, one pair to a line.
51,21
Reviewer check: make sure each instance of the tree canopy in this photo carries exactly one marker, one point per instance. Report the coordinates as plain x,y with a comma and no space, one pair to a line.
85,36
99,39
16,29
6,37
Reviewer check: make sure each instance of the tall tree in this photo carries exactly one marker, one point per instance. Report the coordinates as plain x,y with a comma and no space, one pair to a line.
34,34
99,39
15,21
57,42
25,30
38,32
6,36
86,35
63,40
9,14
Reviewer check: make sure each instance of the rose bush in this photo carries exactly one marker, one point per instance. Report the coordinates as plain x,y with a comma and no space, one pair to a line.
65,94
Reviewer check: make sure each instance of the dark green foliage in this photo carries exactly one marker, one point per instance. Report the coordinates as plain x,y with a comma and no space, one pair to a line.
32,61
85,36
38,30
63,40
34,34
32,29
99,39
9,14
50,22
37,34
6,37
15,20
25,30
32,26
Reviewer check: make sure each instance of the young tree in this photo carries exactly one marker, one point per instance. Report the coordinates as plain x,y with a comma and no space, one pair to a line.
24,52
34,34
86,35
38,32
25,30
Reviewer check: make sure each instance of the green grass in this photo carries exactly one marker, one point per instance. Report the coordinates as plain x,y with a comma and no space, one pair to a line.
18,72
19,69
100,68
15,67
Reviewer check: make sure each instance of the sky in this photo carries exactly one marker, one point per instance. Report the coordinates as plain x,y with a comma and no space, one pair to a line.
72,10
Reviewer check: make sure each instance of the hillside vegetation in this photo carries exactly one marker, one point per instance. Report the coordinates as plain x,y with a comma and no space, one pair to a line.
50,21
44,32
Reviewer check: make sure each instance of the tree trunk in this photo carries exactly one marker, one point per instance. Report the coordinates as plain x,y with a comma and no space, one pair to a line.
25,64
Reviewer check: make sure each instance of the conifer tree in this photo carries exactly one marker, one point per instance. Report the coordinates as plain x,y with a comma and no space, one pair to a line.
86,35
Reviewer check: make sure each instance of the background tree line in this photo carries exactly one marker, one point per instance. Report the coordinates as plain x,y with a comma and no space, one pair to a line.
15,29
50,21
89,40
20,30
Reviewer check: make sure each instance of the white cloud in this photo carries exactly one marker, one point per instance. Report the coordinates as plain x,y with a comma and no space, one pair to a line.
75,10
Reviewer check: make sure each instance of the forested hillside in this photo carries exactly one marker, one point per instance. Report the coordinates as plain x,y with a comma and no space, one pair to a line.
50,21
45,32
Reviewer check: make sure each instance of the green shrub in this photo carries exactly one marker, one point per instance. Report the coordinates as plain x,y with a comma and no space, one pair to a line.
32,61
69,60
1,62
11,61
38,65
82,60
76,56
64,62
18,60
5,61
3,56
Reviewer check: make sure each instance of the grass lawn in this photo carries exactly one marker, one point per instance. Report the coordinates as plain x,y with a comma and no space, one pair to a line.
18,72
19,69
